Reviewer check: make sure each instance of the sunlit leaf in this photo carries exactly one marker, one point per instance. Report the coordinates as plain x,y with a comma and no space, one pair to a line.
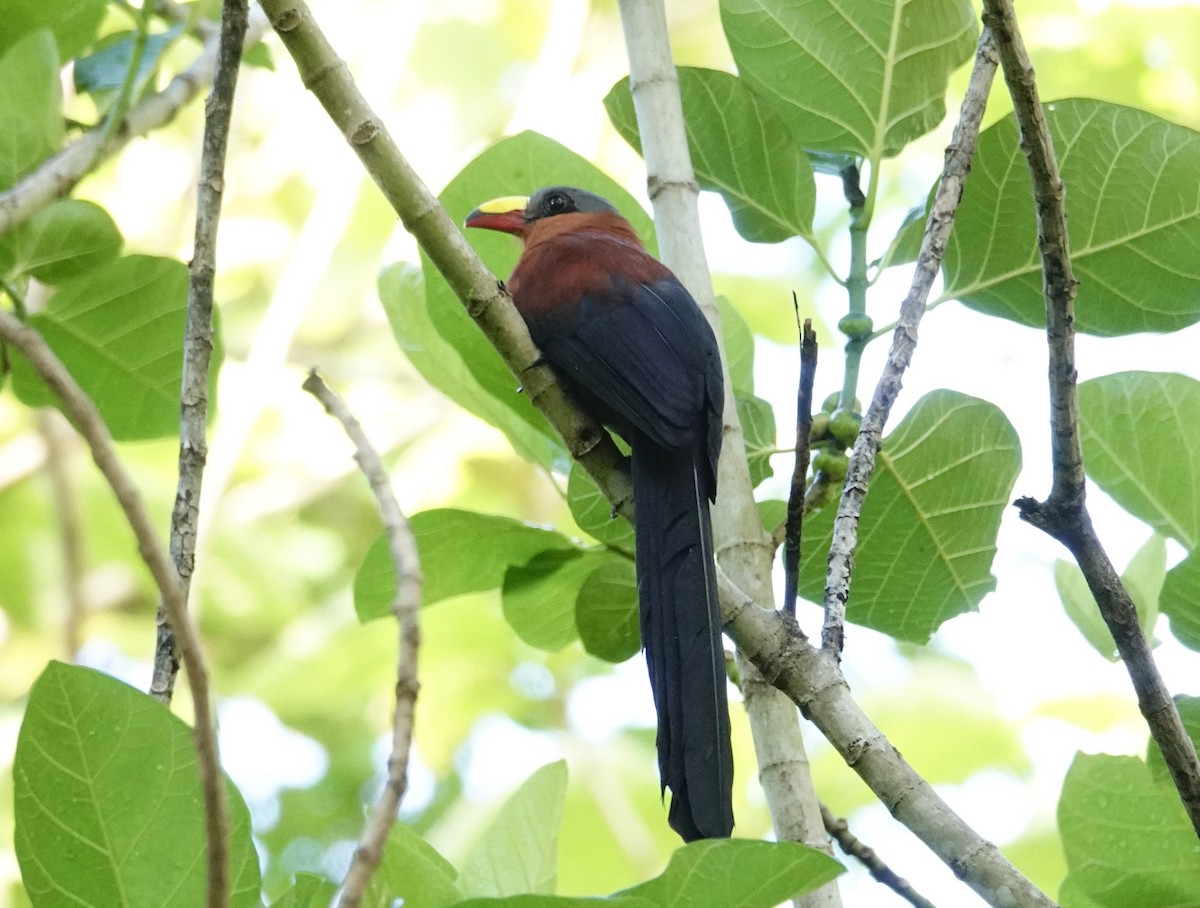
513,166
1134,228
538,597
518,852
738,873
1140,436
74,23
64,241
1189,714
864,79
927,535
593,512
1127,840
557,901
308,891
402,292
606,611
758,426
119,330
412,871
460,551
740,148
1180,600
108,801
31,124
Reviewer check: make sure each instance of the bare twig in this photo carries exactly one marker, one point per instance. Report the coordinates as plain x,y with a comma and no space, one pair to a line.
904,342
853,846
795,509
66,518
59,175
198,334
770,638
1064,515
88,422
406,605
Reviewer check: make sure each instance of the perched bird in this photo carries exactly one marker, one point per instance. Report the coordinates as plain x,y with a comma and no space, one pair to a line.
633,347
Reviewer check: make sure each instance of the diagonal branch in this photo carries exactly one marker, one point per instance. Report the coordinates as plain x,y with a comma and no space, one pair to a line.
1064,515
904,341
406,605
809,677
59,175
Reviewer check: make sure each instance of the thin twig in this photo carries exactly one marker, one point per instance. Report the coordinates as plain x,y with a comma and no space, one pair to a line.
60,174
406,605
66,518
853,846
1064,515
88,422
198,333
795,510
904,342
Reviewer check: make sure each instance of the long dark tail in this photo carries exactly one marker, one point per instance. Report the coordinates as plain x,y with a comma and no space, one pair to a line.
681,633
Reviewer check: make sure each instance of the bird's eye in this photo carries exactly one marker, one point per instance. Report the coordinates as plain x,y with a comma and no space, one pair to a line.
558,202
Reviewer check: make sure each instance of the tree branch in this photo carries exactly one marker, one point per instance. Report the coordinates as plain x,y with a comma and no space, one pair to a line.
406,605
87,421
59,175
853,846
904,342
1064,515
771,639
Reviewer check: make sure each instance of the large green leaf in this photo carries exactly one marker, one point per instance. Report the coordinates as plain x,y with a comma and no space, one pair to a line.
927,535
31,123
461,552
1189,714
558,901
1127,840
119,330
864,78
1140,437
108,801
737,873
308,891
1180,600
740,148
593,512
412,871
758,427
402,292
74,23
518,852
62,242
1133,214
538,597
516,165
606,611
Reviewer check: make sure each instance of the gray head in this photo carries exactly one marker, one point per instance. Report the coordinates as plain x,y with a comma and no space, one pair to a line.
554,200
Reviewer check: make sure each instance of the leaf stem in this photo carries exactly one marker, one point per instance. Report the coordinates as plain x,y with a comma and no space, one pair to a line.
116,113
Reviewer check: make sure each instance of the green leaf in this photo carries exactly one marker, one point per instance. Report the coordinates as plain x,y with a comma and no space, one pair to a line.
31,124
412,870
120,333
593,512
737,873
927,535
773,513
758,426
606,611
557,901
517,165
1126,839
402,292
461,552
74,23
308,891
1140,435
518,852
106,68
865,79
1189,713
1133,234
738,340
108,801
739,148
1180,600
538,597
1143,579
62,242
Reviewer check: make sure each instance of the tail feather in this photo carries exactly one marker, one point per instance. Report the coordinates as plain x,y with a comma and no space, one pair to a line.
681,633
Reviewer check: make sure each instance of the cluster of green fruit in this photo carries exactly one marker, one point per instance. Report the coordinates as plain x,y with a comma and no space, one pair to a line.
833,432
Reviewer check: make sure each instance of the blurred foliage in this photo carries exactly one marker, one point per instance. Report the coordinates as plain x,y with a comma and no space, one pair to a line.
288,521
